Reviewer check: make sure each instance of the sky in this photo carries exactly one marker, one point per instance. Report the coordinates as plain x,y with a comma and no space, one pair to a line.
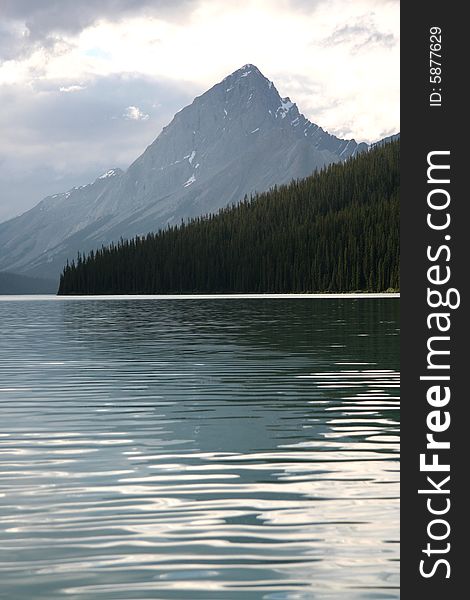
87,86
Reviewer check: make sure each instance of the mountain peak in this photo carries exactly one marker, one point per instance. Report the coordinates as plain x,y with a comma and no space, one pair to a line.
251,72
246,70
238,137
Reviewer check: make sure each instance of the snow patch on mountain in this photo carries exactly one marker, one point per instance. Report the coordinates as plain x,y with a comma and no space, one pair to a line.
285,107
190,181
110,173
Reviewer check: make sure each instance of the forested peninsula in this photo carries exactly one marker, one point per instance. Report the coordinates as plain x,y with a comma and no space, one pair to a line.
335,231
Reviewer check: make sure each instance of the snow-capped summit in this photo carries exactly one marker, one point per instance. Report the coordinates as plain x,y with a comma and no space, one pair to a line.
110,173
238,137
244,71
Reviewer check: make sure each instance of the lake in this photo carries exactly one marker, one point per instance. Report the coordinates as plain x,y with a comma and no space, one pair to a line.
199,449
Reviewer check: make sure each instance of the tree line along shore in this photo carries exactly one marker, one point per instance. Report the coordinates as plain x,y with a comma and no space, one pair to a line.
335,231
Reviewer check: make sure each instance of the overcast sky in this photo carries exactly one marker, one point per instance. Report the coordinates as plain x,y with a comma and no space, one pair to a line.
86,85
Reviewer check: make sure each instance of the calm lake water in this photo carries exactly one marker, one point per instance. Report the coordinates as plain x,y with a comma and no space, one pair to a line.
199,449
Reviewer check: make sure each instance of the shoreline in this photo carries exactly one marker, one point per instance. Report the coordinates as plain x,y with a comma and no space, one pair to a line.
326,295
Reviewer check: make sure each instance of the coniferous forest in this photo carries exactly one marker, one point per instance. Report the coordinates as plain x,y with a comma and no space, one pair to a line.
337,230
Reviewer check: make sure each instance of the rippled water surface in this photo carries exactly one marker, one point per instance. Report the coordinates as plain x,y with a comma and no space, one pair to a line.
199,449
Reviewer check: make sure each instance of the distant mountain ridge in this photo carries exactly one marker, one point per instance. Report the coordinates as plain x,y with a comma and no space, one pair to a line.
237,138
11,283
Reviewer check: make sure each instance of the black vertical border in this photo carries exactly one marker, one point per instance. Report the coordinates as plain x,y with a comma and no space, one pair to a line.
425,129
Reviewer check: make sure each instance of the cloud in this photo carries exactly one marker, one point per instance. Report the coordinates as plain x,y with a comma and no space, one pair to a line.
46,112
29,23
133,113
361,35
308,7
52,140
86,86
13,41
71,16
72,88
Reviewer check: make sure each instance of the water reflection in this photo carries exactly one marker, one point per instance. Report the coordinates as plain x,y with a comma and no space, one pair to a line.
199,449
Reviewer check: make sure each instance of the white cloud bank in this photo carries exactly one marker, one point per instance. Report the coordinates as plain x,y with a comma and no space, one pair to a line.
133,113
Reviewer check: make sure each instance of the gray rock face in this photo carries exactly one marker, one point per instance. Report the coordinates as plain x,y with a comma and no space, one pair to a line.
386,140
237,138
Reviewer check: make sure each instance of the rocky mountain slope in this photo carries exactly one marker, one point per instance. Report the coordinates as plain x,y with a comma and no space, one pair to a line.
237,138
